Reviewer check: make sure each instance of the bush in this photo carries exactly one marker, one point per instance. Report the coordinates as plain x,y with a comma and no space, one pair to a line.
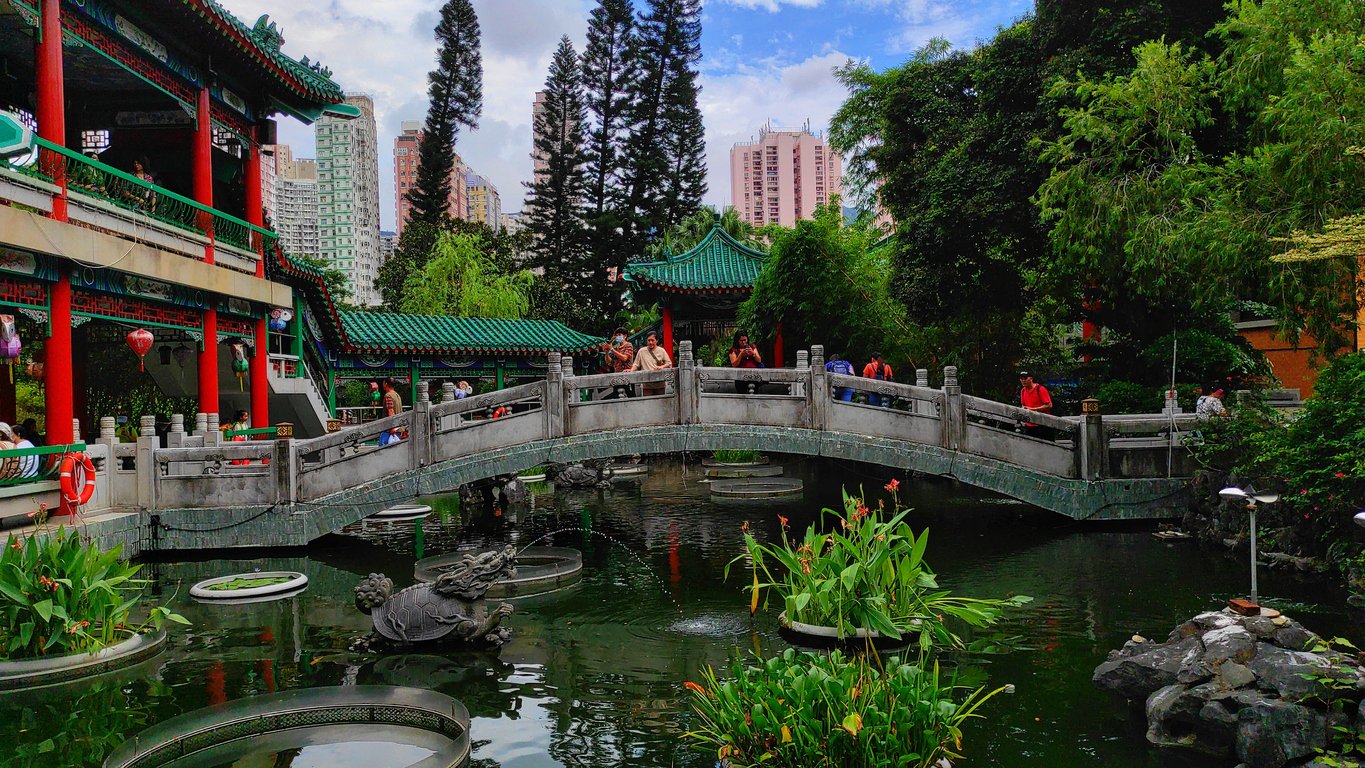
802,710
1126,397
60,596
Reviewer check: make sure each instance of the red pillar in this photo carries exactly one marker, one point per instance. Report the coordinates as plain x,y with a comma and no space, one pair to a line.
667,340
203,194
777,348
255,213
260,382
51,93
57,375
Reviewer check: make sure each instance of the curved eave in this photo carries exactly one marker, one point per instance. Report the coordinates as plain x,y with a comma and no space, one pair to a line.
244,41
672,288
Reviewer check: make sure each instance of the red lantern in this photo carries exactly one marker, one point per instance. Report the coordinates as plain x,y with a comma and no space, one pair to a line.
140,341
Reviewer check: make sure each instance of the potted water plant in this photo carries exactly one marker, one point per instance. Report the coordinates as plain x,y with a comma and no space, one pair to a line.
62,601
861,576
804,710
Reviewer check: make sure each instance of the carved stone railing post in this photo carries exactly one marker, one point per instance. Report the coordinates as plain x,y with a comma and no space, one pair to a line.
954,420
213,435
420,431
147,471
108,438
818,393
687,384
448,392
554,405
923,407
1091,446
284,471
175,438
568,395
802,364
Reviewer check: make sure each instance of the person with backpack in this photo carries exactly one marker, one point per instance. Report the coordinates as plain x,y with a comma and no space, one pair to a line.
1035,397
876,369
839,365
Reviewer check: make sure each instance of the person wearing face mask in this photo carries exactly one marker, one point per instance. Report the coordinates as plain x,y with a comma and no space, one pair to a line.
620,357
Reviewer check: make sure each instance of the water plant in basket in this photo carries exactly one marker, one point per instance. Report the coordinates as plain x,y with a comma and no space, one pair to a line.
806,710
60,596
867,572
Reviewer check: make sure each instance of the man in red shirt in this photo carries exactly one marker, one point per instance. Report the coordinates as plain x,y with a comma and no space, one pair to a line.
1034,397
876,369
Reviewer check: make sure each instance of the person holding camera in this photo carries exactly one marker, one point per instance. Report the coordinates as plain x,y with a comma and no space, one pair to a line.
744,355
620,356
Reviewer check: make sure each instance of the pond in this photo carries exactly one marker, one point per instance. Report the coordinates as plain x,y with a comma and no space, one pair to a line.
593,675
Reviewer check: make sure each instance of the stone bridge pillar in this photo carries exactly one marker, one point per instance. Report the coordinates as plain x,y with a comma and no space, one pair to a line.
1091,443
802,363
818,393
284,472
420,430
448,392
553,403
954,419
687,384
923,407
147,469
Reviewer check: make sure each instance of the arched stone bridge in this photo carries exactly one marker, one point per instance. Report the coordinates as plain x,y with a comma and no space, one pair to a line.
287,492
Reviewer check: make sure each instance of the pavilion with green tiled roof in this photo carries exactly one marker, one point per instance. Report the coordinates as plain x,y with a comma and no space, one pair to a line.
701,289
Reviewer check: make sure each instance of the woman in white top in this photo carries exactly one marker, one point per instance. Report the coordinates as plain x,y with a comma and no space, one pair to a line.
652,357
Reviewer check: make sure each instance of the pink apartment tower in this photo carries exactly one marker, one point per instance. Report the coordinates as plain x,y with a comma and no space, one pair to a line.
405,176
783,176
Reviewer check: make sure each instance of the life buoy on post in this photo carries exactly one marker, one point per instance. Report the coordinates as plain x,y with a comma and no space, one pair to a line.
77,489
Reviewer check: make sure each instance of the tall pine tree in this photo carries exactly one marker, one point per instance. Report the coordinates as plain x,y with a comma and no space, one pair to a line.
609,73
456,93
665,174
554,207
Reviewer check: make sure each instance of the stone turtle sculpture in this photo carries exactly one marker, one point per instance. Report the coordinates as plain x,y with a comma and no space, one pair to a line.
444,612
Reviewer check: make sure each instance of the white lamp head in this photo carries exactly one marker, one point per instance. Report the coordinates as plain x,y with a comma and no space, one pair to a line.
1266,498
1232,492
1360,518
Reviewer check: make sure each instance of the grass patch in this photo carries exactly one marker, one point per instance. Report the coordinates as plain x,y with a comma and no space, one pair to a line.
736,456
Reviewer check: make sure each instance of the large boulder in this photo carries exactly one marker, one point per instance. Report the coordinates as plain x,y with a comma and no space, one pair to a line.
1140,675
1273,733
1180,716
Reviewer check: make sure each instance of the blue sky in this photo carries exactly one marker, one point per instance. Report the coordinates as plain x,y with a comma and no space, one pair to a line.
761,60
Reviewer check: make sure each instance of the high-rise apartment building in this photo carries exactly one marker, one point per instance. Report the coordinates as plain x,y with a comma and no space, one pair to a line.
289,193
485,206
348,197
405,147
783,177
539,162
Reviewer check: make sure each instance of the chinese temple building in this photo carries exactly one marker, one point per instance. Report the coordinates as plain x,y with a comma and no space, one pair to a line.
699,291
131,207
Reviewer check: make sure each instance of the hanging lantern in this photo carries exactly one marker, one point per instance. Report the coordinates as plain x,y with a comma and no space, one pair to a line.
278,320
140,341
239,363
10,345
182,355
375,397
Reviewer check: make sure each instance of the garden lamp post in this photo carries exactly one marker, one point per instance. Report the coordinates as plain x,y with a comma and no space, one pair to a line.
1360,518
1252,499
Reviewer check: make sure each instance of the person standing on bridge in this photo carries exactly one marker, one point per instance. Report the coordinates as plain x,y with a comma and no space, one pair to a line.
1034,397
652,358
876,369
620,357
1211,405
393,405
839,365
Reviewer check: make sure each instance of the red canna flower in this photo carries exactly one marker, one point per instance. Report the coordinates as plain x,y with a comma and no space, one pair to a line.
691,686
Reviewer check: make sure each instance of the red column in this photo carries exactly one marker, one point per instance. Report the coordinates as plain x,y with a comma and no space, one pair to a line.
203,194
777,348
57,375
260,381
51,93
667,340
254,212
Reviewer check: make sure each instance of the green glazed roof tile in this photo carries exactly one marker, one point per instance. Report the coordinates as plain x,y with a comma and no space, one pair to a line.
388,331
718,263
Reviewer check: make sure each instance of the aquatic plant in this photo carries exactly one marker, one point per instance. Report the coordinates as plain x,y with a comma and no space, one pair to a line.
58,595
741,456
805,710
248,583
866,573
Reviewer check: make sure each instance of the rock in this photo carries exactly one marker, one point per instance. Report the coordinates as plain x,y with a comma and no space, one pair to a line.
1294,637
1261,626
1188,629
1279,621
1182,717
1272,733
1215,620
1228,643
1234,675
1294,675
1138,676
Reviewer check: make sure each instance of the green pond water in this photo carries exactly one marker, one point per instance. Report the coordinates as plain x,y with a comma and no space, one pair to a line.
593,675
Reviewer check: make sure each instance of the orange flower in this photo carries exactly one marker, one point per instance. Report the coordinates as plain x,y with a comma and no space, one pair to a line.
782,520
894,485
691,686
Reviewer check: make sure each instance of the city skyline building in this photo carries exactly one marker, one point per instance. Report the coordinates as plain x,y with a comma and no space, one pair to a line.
348,197
540,164
485,205
289,195
405,161
783,176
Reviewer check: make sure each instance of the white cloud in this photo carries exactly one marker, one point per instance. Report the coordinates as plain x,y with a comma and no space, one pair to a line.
771,6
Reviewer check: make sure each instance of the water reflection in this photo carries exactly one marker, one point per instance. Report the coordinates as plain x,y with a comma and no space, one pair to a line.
592,675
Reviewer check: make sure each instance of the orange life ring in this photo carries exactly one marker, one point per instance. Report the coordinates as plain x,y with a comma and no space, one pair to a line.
68,479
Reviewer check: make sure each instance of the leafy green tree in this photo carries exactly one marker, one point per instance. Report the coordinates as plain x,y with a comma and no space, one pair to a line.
687,233
418,242
825,284
554,207
456,95
462,280
332,278
664,169
609,74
